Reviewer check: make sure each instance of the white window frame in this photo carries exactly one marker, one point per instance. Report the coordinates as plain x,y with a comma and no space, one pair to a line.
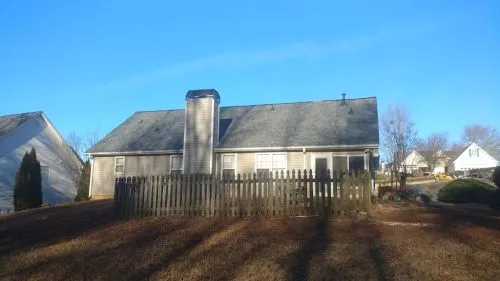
235,162
182,164
271,169
347,155
114,167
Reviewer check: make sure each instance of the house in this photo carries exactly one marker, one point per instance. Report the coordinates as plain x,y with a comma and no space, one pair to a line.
475,157
206,138
59,163
415,162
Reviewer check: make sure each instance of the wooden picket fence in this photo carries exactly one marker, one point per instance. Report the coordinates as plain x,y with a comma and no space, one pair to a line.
278,195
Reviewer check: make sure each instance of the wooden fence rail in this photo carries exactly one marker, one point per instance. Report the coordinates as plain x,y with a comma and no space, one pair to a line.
268,195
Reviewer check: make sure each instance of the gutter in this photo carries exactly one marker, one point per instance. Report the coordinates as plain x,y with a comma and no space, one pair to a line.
239,149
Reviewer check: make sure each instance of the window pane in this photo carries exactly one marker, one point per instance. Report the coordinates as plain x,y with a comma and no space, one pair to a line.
339,163
175,172
228,173
120,161
263,172
279,161
263,161
119,169
356,163
228,162
176,162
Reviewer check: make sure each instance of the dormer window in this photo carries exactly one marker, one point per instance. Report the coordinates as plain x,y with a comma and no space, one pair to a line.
473,152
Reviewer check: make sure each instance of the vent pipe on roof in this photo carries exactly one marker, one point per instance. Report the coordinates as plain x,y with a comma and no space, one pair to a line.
343,99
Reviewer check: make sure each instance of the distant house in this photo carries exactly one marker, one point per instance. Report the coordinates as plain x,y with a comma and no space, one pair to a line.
205,138
475,157
415,162
21,132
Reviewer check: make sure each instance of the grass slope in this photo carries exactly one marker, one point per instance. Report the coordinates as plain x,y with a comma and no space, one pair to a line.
85,242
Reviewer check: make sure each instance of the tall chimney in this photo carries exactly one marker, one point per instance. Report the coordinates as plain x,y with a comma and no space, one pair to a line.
201,131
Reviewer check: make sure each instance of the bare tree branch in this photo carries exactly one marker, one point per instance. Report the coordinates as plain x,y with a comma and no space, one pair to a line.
486,137
398,139
432,150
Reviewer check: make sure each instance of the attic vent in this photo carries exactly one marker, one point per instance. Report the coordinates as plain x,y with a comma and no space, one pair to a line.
343,99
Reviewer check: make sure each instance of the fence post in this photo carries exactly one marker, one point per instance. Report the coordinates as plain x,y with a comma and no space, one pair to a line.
367,192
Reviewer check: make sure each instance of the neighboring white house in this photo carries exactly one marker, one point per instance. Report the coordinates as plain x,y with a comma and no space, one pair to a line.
474,157
59,163
416,162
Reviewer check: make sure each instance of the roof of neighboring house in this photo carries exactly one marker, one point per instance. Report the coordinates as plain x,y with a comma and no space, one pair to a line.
495,153
320,123
10,122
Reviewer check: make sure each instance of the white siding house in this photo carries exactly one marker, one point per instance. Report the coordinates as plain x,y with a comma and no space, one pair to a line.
416,162
474,157
21,132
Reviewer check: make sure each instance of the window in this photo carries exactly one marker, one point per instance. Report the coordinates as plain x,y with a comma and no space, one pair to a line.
119,165
473,152
339,163
266,162
176,164
356,163
229,165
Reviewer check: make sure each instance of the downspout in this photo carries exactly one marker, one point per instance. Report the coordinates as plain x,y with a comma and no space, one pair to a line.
304,157
91,176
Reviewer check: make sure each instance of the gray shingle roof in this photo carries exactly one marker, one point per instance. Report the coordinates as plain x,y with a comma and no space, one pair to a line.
321,123
10,122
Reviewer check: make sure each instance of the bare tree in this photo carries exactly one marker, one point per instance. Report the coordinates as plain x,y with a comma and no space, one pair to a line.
398,140
81,143
486,137
432,149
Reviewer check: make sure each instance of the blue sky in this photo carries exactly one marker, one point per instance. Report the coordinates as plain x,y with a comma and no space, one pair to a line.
90,64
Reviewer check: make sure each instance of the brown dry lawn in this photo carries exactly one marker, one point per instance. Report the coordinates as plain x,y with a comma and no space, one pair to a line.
85,242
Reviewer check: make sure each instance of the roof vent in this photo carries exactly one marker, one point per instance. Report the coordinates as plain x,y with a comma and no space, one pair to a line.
343,99
350,111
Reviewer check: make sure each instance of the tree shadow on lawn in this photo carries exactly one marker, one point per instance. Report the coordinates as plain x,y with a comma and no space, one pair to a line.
49,225
136,256
319,255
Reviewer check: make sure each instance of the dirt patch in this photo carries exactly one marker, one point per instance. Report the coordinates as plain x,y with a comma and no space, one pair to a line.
85,242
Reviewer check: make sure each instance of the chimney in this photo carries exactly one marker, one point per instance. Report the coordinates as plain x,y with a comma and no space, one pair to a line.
343,99
201,131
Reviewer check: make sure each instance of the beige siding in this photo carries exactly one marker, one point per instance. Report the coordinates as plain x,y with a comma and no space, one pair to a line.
103,177
198,139
295,161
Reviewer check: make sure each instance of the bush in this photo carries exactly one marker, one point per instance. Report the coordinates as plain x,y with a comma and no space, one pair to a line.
465,191
82,185
496,177
28,183
493,199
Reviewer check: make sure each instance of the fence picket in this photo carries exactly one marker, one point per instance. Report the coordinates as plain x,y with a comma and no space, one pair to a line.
273,194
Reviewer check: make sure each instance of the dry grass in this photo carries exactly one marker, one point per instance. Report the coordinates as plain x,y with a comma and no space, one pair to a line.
84,242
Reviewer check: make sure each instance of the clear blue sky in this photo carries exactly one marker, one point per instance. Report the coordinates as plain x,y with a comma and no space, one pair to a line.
91,64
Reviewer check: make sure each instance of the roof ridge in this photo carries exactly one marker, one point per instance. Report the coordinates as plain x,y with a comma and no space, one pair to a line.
298,102
29,112
264,104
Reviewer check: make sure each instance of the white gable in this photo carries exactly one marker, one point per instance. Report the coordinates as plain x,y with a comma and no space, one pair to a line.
474,157
59,163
